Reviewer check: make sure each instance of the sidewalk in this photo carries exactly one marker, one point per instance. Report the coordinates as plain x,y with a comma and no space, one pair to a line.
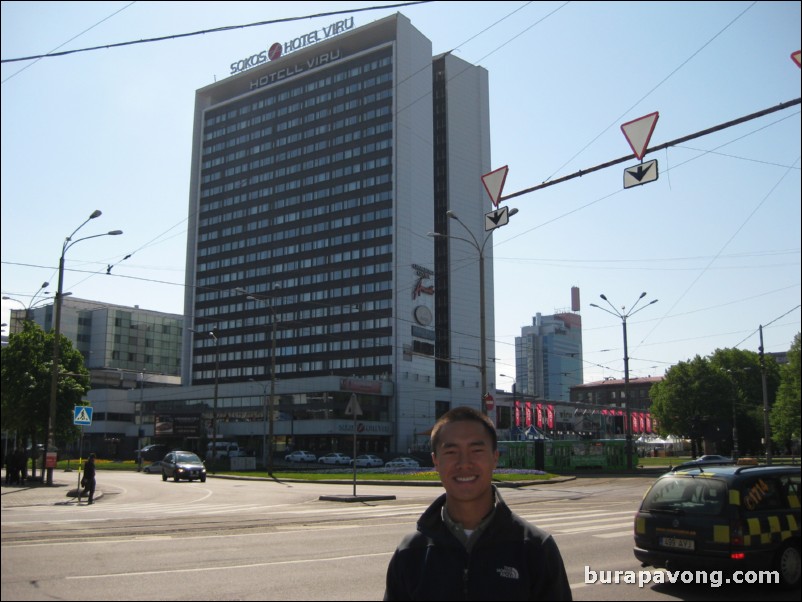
62,492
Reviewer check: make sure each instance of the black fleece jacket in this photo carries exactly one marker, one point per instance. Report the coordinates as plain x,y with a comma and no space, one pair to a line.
511,560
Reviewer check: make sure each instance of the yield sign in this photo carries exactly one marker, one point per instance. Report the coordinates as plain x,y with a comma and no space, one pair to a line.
795,57
639,131
494,182
353,408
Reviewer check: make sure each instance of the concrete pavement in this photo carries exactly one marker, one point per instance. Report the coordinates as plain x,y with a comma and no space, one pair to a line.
63,491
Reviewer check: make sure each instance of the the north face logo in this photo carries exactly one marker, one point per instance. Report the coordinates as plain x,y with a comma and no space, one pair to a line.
508,572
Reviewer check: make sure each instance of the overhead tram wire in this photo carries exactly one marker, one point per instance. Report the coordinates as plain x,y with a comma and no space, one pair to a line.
16,73
675,142
645,96
215,30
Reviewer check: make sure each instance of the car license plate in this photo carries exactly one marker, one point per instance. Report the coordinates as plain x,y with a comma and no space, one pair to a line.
676,543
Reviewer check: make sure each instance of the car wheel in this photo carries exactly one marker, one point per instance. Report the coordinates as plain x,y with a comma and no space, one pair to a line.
203,479
788,565
164,476
176,478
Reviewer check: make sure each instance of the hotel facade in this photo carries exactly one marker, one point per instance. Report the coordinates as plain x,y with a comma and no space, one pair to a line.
312,281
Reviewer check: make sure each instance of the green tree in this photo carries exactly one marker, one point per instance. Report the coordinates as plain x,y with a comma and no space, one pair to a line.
743,368
693,397
785,415
26,379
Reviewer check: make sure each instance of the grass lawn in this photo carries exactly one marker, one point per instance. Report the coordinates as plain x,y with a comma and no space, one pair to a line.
344,474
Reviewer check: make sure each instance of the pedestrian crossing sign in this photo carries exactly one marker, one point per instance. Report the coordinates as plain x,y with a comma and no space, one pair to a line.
82,415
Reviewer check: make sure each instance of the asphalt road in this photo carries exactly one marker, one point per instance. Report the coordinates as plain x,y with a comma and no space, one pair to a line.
258,540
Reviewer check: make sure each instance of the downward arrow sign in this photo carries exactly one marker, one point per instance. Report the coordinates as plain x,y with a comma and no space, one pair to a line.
640,174
497,218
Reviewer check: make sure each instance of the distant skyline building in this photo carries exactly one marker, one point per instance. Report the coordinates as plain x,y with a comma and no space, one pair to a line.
113,337
127,351
548,356
315,180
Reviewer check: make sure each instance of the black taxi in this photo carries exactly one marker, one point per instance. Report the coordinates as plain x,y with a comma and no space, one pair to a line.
728,518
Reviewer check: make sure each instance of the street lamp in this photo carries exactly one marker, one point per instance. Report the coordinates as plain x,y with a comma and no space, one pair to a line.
32,302
51,420
214,334
627,408
514,397
264,420
268,301
480,248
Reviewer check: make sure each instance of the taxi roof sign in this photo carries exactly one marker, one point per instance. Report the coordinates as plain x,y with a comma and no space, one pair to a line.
638,132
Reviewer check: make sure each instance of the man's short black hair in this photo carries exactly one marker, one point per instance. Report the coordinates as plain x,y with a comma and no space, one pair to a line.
459,414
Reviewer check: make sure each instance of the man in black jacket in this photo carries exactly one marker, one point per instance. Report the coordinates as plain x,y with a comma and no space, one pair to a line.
89,481
469,545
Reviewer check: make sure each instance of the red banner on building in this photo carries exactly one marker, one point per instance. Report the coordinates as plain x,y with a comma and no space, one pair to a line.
550,416
528,414
518,414
539,415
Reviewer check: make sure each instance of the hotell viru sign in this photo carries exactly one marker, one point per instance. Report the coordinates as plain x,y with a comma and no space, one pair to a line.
278,49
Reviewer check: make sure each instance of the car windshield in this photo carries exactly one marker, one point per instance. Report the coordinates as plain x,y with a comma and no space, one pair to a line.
188,458
686,495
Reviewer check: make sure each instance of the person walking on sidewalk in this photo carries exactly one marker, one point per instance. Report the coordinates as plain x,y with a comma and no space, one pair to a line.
88,481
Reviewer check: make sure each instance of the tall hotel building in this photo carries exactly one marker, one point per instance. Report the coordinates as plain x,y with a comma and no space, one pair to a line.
316,178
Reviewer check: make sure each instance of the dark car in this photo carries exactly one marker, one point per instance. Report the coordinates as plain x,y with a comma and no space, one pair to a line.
723,517
183,465
151,453
705,461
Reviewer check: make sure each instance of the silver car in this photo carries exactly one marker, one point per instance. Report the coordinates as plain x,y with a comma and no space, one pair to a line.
335,458
368,461
402,463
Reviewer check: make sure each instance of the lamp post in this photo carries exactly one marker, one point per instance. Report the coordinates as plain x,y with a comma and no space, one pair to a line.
32,302
268,301
213,334
51,421
628,407
141,430
480,248
264,420
736,392
514,397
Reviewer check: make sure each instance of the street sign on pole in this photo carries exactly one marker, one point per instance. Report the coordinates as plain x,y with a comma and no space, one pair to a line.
494,183
496,219
82,416
642,173
795,56
639,131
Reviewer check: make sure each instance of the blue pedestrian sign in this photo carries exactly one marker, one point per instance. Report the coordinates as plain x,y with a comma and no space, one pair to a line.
82,415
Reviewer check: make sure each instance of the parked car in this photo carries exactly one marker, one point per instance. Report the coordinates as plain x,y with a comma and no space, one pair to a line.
402,463
723,517
183,465
224,449
152,453
368,461
335,458
300,456
155,467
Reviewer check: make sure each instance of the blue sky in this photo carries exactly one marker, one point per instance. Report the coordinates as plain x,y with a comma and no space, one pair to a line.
716,238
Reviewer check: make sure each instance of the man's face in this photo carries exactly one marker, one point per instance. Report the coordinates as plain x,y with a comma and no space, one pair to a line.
465,460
